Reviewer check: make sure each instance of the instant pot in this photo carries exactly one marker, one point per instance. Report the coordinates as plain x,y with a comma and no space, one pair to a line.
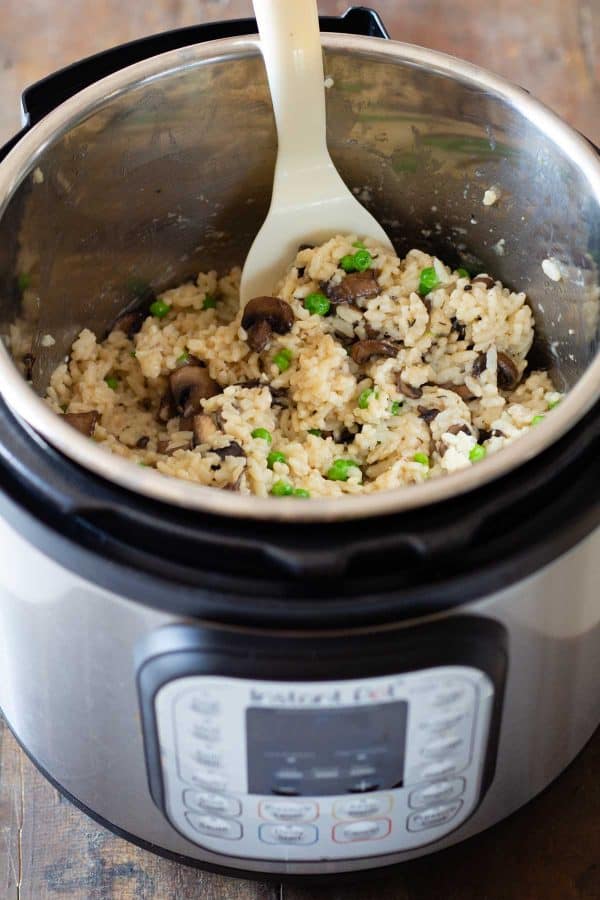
262,685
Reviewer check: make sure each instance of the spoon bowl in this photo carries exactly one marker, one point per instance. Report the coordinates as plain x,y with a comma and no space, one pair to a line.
310,202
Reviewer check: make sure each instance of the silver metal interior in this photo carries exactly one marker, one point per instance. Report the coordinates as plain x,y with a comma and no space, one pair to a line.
165,168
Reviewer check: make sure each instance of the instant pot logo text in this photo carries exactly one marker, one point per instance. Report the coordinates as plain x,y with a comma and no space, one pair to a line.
329,696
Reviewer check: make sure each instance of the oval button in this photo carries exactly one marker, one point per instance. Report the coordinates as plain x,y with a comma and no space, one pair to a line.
367,830
213,826
288,811
438,790
362,807
206,801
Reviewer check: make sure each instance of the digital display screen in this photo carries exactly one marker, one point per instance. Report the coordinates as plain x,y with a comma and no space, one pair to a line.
322,752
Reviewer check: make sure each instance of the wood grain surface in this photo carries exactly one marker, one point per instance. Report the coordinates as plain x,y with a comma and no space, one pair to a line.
551,849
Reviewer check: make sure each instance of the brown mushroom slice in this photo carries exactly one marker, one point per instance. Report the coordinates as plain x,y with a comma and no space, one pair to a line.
28,363
204,428
166,408
508,373
165,447
84,422
459,328
357,286
456,429
362,351
142,442
464,392
413,393
259,336
486,280
427,413
189,386
232,449
273,310
130,322
480,365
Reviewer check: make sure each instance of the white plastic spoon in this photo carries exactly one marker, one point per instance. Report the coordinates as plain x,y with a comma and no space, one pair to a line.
310,202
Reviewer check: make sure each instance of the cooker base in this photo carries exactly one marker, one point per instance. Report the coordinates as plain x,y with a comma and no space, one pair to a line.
341,878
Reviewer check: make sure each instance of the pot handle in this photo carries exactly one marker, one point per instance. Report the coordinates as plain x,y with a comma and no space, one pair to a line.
42,97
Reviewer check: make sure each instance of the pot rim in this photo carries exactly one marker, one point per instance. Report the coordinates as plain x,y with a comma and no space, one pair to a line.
27,405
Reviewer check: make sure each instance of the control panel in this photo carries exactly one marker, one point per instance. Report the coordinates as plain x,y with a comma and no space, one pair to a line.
322,770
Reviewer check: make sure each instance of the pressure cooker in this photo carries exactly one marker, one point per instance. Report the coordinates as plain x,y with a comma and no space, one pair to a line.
259,685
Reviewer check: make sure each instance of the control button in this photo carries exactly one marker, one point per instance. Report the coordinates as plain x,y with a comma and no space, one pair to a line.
438,790
362,771
206,780
368,830
205,706
434,816
448,696
301,811
438,769
213,826
206,801
362,807
441,745
363,786
443,723
288,834
209,758
206,731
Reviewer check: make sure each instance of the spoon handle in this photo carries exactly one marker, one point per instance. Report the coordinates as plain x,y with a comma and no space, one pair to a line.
291,49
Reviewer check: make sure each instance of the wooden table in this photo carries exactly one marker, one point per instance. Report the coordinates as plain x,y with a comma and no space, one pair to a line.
551,849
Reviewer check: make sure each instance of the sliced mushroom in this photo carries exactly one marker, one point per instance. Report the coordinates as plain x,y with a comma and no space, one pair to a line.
232,449
252,383
189,386
485,280
84,422
508,373
142,442
262,316
459,328
456,429
346,436
357,286
461,389
166,408
164,446
280,397
362,351
234,485
204,428
480,365
130,322
427,413
414,393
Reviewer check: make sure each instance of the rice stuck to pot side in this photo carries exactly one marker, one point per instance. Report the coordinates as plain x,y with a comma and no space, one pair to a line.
362,373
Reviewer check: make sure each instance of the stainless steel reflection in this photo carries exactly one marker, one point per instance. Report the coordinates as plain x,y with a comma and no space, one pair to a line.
165,168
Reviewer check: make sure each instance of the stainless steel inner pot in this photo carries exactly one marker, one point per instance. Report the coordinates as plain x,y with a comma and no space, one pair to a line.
165,168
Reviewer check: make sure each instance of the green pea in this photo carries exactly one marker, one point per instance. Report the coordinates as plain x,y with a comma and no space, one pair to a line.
462,273
537,419
24,280
159,309
209,302
362,260
301,492
553,403
421,458
282,359
183,359
315,431
428,280
282,489
360,245
347,263
478,452
340,470
263,434
396,407
112,381
365,398
317,304
275,456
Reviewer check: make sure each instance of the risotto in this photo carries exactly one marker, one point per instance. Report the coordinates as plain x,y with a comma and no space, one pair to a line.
362,373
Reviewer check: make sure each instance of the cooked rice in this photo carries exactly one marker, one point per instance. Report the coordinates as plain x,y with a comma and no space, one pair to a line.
461,324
